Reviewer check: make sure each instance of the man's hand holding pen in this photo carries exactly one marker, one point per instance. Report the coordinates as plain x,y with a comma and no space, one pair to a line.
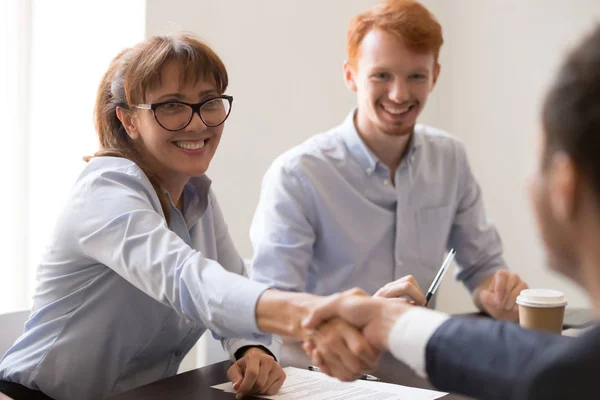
406,287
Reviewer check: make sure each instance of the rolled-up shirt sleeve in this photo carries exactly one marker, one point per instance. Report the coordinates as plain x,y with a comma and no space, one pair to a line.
477,243
131,237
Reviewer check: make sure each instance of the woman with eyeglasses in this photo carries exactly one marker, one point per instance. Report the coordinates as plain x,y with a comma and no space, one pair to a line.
141,262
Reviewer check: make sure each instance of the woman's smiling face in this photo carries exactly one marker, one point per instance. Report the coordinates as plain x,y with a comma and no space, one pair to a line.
181,154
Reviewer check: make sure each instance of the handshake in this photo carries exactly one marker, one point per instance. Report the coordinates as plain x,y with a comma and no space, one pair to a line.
344,334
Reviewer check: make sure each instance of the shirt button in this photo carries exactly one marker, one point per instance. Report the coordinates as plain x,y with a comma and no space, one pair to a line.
398,263
386,182
178,353
369,170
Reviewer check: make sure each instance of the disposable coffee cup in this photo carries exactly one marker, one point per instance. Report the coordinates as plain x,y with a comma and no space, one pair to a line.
542,309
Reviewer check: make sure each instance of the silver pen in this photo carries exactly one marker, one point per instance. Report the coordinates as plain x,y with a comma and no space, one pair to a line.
440,275
364,377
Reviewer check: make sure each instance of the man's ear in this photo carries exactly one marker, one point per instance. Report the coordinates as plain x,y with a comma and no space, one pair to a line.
349,76
127,120
436,73
562,187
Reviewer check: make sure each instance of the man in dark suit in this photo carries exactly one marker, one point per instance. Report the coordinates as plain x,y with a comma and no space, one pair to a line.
499,360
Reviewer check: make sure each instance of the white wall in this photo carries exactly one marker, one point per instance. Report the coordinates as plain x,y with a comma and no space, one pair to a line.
15,37
285,62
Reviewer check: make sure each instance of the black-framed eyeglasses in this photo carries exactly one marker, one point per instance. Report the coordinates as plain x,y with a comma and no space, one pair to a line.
176,115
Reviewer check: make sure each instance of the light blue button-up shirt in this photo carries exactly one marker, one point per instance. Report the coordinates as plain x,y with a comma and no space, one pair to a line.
329,218
121,298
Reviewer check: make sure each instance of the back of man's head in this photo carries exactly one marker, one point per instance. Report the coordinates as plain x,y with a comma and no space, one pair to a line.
571,112
409,20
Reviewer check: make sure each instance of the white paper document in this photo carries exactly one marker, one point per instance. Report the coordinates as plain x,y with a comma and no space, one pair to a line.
309,385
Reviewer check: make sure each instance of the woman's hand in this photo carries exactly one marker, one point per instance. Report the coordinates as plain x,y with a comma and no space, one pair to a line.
256,373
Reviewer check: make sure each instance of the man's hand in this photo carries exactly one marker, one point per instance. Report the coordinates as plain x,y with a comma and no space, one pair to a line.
375,317
256,372
340,350
405,286
497,295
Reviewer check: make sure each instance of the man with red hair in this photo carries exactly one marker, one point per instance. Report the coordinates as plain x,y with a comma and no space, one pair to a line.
376,201
496,360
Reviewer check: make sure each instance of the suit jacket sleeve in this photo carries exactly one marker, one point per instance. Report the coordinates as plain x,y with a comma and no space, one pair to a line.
569,372
485,358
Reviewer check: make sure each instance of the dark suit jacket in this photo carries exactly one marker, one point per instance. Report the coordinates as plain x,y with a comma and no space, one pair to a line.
489,359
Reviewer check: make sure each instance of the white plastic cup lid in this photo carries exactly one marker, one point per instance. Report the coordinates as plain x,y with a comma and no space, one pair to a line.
542,298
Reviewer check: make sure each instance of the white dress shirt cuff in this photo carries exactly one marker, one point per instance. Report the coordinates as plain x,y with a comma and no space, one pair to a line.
409,336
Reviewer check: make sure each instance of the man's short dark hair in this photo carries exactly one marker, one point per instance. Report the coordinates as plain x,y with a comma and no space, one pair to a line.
571,112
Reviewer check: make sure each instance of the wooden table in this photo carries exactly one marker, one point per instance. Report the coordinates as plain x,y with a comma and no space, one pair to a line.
197,384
